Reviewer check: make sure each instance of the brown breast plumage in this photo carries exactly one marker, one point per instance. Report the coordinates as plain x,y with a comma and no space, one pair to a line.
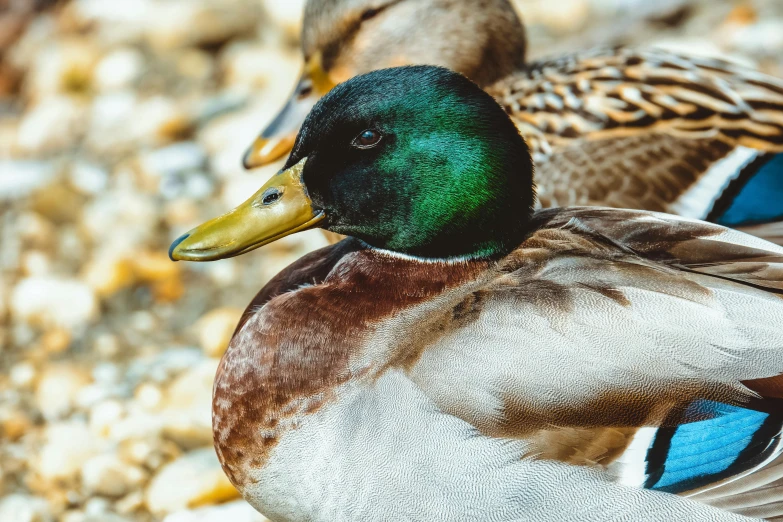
286,359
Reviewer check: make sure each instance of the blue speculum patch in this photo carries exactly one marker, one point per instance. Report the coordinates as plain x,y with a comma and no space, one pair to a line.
760,200
699,453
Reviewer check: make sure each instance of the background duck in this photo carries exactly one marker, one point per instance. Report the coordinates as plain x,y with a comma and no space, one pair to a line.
619,127
458,357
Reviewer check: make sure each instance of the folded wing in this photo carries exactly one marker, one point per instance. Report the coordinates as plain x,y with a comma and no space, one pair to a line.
635,341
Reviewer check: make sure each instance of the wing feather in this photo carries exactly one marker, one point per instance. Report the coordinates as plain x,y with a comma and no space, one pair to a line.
606,321
620,92
648,129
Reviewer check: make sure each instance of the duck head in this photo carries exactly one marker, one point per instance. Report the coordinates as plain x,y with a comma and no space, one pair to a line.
415,160
482,39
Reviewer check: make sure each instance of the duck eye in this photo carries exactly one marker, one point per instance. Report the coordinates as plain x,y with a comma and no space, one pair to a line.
367,139
369,13
305,89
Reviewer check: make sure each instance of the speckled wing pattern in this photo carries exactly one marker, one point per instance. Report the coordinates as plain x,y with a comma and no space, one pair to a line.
649,171
664,120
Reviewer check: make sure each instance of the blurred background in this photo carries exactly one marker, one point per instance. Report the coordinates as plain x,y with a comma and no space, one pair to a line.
122,125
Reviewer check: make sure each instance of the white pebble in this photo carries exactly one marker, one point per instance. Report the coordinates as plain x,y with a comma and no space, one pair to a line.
68,446
24,508
149,396
239,511
96,506
215,329
88,178
107,345
104,415
119,69
109,476
58,390
196,476
51,301
54,125
20,178
180,157
22,375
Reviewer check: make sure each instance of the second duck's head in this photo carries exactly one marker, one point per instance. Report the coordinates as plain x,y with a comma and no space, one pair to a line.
416,160
482,39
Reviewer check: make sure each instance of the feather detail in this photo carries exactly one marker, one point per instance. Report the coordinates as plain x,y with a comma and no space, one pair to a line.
772,232
614,93
653,130
731,442
755,197
655,172
732,460
700,198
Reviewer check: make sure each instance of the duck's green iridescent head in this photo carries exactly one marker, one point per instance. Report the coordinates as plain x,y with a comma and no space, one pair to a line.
416,160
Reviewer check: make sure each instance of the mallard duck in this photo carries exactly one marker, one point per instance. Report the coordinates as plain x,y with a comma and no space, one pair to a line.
464,357
644,129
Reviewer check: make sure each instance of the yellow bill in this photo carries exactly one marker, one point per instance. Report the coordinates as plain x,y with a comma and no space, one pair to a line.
266,150
280,208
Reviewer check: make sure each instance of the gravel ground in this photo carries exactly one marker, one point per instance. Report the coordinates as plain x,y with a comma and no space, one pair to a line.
122,125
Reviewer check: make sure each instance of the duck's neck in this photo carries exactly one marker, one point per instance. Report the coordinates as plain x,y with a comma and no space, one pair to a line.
486,251
488,234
